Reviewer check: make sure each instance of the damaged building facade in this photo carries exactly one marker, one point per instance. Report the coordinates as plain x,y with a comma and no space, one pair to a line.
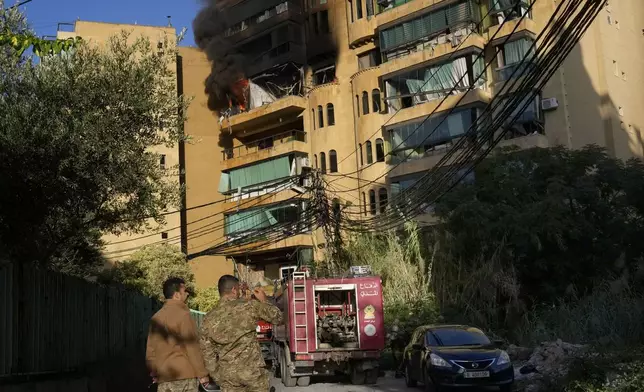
344,87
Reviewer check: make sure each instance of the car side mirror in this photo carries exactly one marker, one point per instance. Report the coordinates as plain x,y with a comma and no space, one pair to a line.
416,346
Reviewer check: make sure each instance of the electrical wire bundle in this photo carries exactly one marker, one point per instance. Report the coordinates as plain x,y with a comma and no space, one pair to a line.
563,31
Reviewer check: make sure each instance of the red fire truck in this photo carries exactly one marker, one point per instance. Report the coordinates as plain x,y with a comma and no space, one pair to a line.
331,325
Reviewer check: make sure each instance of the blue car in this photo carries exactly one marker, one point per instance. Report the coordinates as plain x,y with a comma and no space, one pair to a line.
452,356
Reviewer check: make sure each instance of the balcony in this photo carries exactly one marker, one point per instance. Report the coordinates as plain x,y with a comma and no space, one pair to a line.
263,149
264,20
264,117
283,53
399,39
527,28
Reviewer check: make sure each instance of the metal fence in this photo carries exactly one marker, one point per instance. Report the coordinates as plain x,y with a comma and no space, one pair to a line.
52,323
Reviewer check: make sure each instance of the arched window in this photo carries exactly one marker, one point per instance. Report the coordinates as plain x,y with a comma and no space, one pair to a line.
375,100
364,203
382,198
333,162
322,163
361,158
365,102
358,105
320,117
315,157
330,115
372,202
313,118
369,153
380,150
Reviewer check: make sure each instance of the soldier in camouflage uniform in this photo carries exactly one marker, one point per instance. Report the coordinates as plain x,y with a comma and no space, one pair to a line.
229,342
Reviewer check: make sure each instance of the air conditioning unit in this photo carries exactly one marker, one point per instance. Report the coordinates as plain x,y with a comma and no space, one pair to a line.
549,104
305,163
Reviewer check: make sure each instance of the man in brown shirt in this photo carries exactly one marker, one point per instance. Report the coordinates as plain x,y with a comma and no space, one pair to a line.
173,354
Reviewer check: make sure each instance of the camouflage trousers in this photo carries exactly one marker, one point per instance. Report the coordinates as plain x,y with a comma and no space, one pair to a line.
189,385
243,379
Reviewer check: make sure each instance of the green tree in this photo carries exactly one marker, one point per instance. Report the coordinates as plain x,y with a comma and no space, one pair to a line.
547,224
150,266
76,138
205,299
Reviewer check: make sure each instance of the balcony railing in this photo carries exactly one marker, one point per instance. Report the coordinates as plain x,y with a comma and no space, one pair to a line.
264,144
507,72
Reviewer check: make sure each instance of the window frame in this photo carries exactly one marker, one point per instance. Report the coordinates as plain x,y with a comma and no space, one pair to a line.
333,161
369,152
330,114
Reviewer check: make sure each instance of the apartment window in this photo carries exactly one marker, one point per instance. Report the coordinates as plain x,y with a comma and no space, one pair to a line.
368,59
515,59
432,136
364,203
164,235
423,32
313,118
433,82
375,100
320,117
382,198
372,202
369,153
333,162
315,158
324,75
380,150
358,105
330,114
162,162
351,10
369,7
285,215
358,9
361,159
365,102
324,22
504,10
322,163
314,23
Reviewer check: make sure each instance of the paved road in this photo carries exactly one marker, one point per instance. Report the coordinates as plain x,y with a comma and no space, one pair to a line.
385,384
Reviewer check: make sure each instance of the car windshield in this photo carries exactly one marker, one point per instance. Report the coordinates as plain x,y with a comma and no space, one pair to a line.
459,337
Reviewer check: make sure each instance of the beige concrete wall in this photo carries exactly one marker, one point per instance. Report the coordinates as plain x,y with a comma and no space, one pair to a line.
202,170
122,246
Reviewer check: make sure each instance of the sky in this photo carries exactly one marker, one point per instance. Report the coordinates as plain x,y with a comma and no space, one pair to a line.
44,15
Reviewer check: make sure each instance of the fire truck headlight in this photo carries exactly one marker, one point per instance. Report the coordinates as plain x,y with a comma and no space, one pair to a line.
258,329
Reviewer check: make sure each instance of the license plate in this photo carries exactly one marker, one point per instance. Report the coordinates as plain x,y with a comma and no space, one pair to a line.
477,374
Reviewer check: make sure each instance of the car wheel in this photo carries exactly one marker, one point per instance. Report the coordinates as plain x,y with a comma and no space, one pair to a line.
429,385
304,381
357,375
288,380
371,376
408,379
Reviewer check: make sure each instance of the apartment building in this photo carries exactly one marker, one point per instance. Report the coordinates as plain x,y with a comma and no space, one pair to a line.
333,85
346,96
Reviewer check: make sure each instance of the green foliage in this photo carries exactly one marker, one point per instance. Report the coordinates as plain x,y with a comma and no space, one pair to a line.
147,269
400,260
21,42
77,137
612,372
205,299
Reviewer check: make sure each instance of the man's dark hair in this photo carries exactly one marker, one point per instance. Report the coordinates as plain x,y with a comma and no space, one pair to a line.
226,284
172,286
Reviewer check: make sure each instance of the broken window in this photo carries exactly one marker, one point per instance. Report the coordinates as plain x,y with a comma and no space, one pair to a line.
368,59
324,75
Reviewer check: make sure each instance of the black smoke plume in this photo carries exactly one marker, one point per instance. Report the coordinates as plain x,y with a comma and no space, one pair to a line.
228,64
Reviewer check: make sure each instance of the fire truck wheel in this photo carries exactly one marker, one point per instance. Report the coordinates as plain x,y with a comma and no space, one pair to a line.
303,381
357,375
371,376
287,379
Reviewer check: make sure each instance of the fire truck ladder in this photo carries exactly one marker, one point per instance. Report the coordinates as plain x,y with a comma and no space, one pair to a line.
299,297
